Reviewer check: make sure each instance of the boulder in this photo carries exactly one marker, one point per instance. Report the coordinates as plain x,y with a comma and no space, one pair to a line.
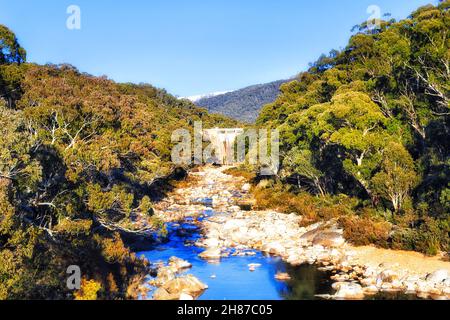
246,187
255,235
211,242
310,235
328,239
188,285
447,283
162,294
386,276
410,286
369,281
179,264
234,208
283,276
281,228
387,286
446,291
165,274
211,254
337,285
438,276
212,230
186,297
348,290
371,290
315,226
398,285
370,272
296,260
240,235
423,286
274,247
252,266
234,224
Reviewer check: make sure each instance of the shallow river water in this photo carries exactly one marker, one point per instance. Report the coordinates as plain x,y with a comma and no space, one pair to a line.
231,279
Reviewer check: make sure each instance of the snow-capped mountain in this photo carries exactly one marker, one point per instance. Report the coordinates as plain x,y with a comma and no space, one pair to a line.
204,96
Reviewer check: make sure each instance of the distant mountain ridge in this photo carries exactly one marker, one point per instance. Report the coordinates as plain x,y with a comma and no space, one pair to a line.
243,104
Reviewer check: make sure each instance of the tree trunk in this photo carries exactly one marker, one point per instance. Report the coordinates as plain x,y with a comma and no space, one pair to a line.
320,187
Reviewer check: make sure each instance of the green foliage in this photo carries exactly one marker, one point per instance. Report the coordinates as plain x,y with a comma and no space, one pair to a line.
79,156
242,171
301,163
397,176
372,122
88,291
11,56
15,142
430,237
363,230
269,195
115,200
10,49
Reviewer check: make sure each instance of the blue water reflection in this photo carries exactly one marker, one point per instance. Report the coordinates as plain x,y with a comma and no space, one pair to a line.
231,279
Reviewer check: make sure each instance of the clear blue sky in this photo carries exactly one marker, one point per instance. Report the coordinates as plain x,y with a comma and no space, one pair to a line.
190,46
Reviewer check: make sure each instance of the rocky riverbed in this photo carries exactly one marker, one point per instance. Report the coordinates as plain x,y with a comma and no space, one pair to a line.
233,231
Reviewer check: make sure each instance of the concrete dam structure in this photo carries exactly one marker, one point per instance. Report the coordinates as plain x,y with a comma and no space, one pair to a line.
222,141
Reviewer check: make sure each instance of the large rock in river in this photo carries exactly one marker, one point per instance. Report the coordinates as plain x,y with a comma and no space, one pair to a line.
162,294
165,274
211,242
211,254
179,264
188,285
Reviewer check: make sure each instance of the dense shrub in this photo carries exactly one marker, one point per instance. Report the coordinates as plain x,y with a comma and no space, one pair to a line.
362,225
365,231
311,208
431,237
241,172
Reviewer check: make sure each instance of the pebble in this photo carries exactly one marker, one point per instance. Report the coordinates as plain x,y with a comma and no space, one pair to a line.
282,276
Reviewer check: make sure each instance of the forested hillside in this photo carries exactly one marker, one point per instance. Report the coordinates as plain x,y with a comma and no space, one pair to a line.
366,129
78,157
244,104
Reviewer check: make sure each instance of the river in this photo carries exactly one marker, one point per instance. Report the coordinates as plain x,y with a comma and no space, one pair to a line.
209,199
231,279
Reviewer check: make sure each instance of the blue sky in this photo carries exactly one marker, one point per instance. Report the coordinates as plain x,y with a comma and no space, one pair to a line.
190,46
